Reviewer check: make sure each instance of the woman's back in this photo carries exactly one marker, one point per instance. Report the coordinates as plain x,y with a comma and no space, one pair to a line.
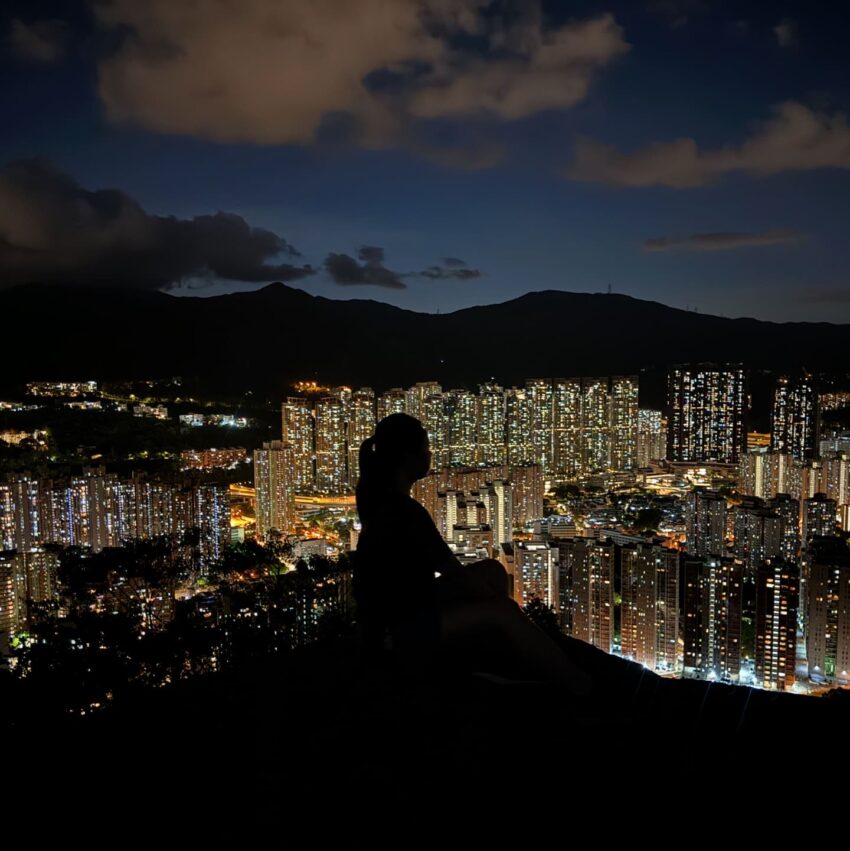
398,554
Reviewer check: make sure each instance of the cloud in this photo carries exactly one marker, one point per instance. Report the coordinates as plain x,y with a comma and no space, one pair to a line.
722,241
40,41
540,71
678,12
825,295
368,268
345,269
786,33
54,231
796,138
452,268
266,72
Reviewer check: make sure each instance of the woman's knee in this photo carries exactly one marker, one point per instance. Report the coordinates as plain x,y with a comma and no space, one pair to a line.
474,615
493,573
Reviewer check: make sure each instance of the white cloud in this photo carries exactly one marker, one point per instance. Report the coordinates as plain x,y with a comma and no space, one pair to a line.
266,72
795,139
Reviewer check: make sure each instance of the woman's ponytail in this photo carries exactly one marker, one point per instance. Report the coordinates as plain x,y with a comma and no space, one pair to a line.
368,483
368,459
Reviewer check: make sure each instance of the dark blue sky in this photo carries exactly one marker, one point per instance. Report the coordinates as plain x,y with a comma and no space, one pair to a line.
456,140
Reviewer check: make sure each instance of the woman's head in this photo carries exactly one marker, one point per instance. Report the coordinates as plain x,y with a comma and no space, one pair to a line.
397,454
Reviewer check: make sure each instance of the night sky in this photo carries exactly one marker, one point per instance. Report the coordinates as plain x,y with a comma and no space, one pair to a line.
433,154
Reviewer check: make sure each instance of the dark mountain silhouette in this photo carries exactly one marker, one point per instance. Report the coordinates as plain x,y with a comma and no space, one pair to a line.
267,338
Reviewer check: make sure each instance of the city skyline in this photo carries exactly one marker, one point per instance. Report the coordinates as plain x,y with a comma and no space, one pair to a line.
565,481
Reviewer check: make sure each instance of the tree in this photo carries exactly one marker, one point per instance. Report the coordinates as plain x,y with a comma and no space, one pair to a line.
648,519
544,616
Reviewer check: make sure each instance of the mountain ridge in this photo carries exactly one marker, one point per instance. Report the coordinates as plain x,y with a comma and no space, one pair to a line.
267,338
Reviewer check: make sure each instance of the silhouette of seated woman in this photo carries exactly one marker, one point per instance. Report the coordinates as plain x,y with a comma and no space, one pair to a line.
408,584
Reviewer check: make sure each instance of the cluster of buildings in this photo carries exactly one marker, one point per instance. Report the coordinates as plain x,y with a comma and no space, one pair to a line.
100,509
753,559
567,427
94,511
196,420
227,458
771,557
62,388
755,587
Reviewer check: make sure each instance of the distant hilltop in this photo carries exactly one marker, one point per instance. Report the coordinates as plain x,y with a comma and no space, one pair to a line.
267,339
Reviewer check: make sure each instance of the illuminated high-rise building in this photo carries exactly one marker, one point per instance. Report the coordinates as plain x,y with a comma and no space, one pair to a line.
705,523
182,516
391,402
535,573
437,425
726,595
811,479
7,517
460,413
298,433
538,394
38,569
527,484
794,421
26,505
518,427
331,476
784,474
153,508
777,602
415,397
693,630
211,510
751,475
360,425
490,425
566,428
127,500
651,437
712,617
788,510
81,512
274,491
489,505
94,511
595,425
835,478
12,592
706,417
828,621
448,511
819,516
426,491
472,478
498,497
758,533
650,605
624,422
586,603
838,442
471,511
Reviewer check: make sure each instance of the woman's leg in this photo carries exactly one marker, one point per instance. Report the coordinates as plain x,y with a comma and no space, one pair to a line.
467,624
492,577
